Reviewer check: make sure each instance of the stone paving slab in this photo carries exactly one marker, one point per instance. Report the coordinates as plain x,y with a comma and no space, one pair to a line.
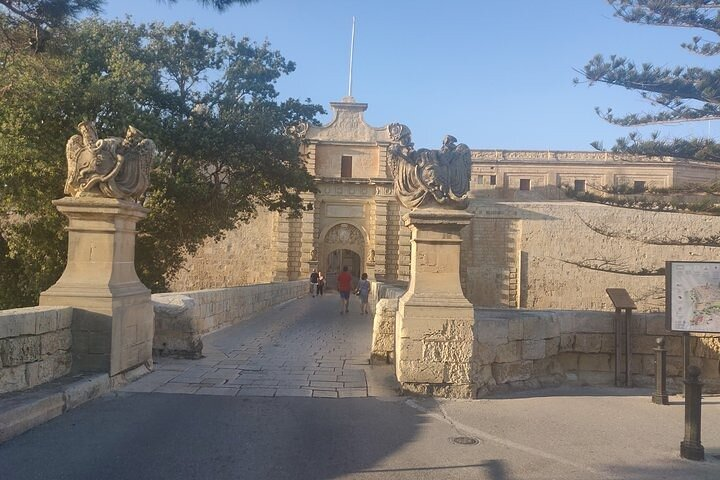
300,349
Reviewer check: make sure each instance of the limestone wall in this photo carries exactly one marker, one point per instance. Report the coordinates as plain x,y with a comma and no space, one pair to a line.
529,349
520,349
34,346
555,254
245,256
384,308
181,319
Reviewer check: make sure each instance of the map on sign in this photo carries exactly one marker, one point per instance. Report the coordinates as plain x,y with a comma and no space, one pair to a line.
694,296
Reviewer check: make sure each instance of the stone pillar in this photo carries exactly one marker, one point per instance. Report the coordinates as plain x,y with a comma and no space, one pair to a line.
307,239
282,249
434,331
113,320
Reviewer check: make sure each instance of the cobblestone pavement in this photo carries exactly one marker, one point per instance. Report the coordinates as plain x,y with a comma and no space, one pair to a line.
302,348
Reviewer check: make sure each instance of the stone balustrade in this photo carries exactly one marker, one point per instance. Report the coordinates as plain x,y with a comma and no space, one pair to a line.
181,319
35,346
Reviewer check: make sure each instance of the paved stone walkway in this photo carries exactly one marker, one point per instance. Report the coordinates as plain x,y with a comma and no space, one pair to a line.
302,348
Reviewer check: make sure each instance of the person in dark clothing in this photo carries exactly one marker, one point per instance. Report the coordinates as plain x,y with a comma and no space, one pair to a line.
313,282
344,286
321,283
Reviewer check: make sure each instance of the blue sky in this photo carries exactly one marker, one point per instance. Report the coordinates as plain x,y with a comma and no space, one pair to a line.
494,73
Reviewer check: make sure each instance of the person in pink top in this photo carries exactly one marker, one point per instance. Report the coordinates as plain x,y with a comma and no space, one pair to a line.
344,286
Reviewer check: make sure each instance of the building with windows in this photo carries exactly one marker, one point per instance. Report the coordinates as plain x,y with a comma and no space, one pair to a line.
528,246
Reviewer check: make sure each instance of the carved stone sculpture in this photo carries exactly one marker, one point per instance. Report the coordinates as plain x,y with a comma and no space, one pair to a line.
298,130
109,167
443,174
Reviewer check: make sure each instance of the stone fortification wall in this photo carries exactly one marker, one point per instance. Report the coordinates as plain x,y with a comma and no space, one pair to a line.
529,349
34,346
521,349
563,255
181,319
245,256
567,246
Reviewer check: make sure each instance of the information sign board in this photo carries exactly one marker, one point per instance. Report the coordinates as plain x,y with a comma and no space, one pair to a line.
692,296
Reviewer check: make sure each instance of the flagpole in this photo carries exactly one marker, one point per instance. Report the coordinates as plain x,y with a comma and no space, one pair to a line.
352,48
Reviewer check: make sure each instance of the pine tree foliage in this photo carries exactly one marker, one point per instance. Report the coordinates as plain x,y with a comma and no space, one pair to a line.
681,94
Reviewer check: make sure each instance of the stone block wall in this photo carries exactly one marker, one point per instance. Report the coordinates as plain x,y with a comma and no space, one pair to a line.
531,348
181,319
522,349
245,255
565,254
35,346
384,309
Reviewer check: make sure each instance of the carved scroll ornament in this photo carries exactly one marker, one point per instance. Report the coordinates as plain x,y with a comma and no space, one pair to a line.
298,130
429,177
110,167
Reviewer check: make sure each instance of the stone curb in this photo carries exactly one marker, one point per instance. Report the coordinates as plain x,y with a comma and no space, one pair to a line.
21,411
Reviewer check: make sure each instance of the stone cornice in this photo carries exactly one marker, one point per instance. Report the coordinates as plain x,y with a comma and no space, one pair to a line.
569,156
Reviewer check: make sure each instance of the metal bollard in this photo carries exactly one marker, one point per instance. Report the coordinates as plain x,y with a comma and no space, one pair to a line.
690,447
660,396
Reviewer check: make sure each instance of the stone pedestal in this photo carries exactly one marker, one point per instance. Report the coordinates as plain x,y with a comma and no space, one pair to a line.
434,331
112,326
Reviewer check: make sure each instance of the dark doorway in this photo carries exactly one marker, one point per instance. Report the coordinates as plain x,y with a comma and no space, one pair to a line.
336,260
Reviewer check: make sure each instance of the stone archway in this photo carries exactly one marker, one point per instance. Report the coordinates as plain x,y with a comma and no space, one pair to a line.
342,245
337,259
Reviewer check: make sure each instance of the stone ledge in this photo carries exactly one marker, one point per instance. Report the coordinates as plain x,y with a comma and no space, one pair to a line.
21,411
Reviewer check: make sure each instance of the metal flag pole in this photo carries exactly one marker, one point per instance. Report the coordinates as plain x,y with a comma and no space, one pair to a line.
352,48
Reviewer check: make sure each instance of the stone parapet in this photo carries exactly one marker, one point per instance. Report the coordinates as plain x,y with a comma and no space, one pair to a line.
182,319
531,348
517,349
35,346
385,311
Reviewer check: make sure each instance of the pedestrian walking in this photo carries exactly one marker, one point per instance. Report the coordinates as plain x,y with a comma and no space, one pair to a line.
344,286
363,290
321,283
313,282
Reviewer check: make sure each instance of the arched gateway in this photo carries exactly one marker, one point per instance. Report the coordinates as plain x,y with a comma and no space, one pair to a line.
342,245
355,219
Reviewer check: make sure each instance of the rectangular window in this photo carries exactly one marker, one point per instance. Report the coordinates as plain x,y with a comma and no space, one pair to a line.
346,166
579,185
524,184
480,179
639,187
493,179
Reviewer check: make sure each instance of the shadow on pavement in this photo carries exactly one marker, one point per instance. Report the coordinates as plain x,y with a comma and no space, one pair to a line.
137,436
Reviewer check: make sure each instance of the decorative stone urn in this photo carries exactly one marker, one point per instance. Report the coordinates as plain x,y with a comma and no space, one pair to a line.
113,320
434,324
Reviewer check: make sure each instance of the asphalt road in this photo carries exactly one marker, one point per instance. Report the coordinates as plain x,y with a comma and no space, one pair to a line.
556,434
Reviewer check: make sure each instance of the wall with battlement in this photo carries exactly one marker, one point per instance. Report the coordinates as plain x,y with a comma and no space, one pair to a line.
34,346
181,319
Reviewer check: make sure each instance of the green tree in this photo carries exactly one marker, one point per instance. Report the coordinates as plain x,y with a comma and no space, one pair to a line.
210,104
680,94
44,16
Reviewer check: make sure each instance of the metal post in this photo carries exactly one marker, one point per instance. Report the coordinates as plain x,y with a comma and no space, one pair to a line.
690,447
628,349
660,396
686,357
618,326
